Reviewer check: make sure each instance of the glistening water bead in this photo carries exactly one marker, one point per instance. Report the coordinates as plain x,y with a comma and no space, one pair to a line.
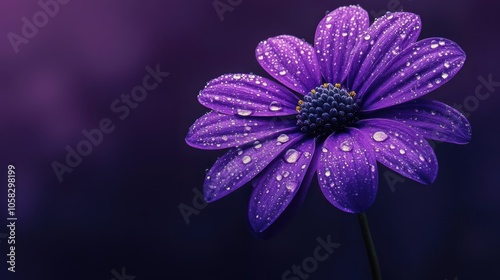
326,109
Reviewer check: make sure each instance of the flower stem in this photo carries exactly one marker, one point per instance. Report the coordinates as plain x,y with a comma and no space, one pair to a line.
370,248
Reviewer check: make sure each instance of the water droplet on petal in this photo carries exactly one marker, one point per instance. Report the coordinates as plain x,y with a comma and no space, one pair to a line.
279,177
327,173
346,146
243,112
421,158
286,174
283,138
257,145
291,186
275,106
367,37
282,72
224,137
444,75
434,44
303,167
380,136
392,147
291,156
246,159
324,150
401,151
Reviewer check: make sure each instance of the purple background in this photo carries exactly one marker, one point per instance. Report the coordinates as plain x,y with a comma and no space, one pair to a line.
119,207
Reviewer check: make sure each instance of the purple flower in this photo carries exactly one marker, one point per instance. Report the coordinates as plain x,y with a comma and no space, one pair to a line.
345,103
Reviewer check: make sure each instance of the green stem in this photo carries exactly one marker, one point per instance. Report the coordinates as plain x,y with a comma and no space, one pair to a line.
370,248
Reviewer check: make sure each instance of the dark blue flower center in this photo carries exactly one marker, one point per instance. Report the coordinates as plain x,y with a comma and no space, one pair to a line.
326,109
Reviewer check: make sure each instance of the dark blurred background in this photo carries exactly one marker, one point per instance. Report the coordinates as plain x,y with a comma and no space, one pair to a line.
116,215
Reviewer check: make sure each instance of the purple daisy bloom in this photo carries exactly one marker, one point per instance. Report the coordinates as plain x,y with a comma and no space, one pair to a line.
343,104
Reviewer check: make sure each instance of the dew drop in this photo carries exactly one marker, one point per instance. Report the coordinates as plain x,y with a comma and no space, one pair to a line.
246,159
243,112
224,137
257,145
401,151
279,177
392,147
303,167
446,65
324,150
286,174
367,37
346,146
236,76
291,156
444,75
283,138
282,72
327,173
275,106
421,158
380,136
344,34
291,186
434,44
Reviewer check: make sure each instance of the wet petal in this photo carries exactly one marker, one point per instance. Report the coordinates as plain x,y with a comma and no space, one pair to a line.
432,119
278,185
291,61
416,71
401,148
336,36
347,171
215,131
379,44
239,166
246,94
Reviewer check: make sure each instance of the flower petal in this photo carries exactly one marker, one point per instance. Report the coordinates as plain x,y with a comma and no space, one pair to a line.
347,171
433,119
336,36
379,44
401,148
239,166
416,71
278,185
215,131
244,95
291,61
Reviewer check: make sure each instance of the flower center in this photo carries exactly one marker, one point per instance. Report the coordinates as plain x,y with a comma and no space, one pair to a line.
326,109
